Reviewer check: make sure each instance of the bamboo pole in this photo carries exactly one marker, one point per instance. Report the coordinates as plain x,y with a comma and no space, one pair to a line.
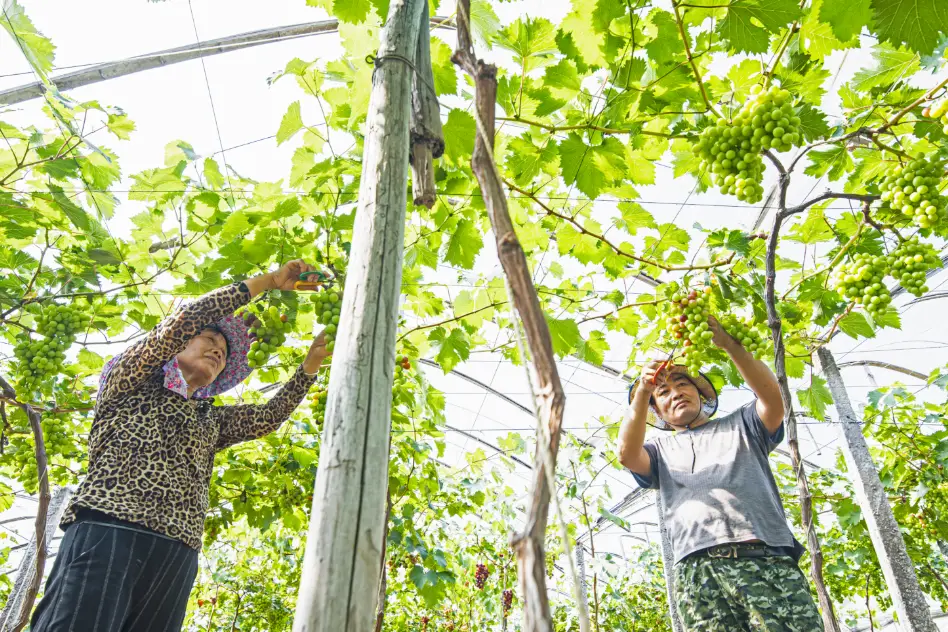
897,568
341,570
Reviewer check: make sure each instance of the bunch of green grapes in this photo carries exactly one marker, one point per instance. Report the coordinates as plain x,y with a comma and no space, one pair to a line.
328,302
269,328
320,395
911,191
751,335
939,111
688,322
861,280
909,263
731,150
58,320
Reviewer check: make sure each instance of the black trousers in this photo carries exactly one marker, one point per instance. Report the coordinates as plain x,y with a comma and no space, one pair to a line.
113,576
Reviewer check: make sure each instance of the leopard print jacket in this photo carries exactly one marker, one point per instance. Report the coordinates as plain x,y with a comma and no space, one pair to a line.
151,451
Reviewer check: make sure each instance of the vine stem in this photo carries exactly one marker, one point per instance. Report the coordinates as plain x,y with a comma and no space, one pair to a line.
776,328
588,127
691,60
450,320
914,104
619,251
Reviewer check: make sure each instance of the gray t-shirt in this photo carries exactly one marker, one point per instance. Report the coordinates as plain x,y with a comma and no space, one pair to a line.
715,484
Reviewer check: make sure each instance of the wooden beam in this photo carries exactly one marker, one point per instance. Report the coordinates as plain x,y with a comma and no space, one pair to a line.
897,568
340,578
167,57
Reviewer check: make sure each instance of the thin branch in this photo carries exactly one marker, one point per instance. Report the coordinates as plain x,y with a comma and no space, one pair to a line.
450,320
914,104
691,60
615,248
619,309
829,195
589,127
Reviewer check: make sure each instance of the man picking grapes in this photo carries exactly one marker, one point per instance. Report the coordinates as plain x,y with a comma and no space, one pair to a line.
735,557
133,530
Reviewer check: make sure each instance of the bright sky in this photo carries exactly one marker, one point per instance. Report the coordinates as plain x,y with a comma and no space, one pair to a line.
174,103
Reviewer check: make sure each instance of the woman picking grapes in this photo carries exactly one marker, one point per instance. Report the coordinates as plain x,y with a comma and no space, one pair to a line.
133,530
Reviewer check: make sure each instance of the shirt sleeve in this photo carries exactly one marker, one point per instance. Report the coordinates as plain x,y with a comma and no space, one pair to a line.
753,425
139,362
651,481
247,422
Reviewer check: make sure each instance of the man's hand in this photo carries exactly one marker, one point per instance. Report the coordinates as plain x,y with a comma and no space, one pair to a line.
653,374
317,354
285,277
720,338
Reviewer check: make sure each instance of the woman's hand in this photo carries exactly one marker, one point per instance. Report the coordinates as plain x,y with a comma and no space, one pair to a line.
317,354
285,277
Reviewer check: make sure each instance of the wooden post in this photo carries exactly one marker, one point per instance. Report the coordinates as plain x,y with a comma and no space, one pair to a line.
897,568
668,567
427,136
19,604
340,578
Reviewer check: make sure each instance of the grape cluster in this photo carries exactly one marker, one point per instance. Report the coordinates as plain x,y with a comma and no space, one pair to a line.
58,320
861,280
425,620
402,367
39,359
911,191
319,406
939,111
909,263
749,334
269,328
328,304
508,601
688,322
732,150
480,576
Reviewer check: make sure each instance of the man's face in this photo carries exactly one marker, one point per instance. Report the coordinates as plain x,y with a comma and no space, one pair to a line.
204,357
677,400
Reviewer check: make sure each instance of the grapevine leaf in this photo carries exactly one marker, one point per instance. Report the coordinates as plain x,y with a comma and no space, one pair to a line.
833,163
812,230
485,25
816,398
452,348
292,123
594,348
918,23
891,65
120,125
32,44
846,18
740,27
458,135
564,334
464,243
813,124
531,40
445,72
591,168
888,318
6,497
855,325
634,217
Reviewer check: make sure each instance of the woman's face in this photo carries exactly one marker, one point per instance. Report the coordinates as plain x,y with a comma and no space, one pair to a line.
203,359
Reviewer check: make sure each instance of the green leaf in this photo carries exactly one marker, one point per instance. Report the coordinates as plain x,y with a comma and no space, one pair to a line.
464,242
531,40
458,135
846,18
918,23
888,318
891,65
484,22
6,497
833,163
104,257
816,398
594,348
120,125
292,123
27,40
813,124
749,23
212,174
620,522
565,335
445,72
813,230
591,168
855,325
452,348
634,217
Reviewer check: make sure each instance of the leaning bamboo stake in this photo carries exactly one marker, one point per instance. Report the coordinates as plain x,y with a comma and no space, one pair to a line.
551,400
897,568
427,137
341,567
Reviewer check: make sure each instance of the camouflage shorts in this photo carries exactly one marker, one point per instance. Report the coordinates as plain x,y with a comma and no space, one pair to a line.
763,594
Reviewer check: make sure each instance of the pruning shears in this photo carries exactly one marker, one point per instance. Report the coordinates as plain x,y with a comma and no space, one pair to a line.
664,365
305,284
